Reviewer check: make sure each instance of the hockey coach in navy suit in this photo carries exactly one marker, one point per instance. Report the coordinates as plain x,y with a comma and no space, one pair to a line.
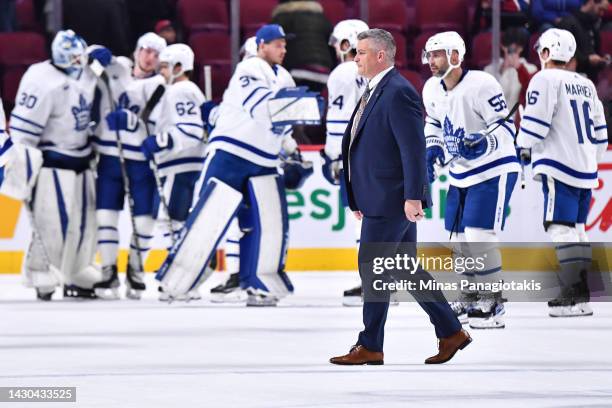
383,152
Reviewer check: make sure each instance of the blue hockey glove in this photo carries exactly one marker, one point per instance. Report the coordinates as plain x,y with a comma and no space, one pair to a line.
152,145
102,55
206,109
434,155
476,145
122,119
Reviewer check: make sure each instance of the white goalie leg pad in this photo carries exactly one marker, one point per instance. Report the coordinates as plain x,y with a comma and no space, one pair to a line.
263,249
53,197
80,245
21,172
208,221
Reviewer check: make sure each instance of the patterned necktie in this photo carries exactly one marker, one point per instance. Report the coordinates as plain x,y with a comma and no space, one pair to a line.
362,104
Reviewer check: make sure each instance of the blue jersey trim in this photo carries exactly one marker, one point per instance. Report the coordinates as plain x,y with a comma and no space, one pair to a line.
25,131
485,167
602,127
338,121
258,102
335,134
245,146
110,143
567,170
530,133
253,93
28,121
184,160
536,120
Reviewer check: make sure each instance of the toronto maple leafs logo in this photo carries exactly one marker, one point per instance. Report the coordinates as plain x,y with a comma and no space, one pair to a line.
452,137
81,114
124,103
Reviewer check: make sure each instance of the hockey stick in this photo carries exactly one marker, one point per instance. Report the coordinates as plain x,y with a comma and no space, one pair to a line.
207,83
475,142
100,73
146,113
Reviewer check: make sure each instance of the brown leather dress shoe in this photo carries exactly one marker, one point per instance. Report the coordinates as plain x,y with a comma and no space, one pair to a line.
448,346
359,355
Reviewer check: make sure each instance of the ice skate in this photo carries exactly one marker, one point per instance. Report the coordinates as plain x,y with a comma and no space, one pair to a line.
229,291
572,302
353,297
258,298
488,312
108,288
463,304
76,292
134,281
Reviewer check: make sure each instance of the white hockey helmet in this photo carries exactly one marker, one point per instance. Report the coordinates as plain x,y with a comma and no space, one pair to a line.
346,30
69,52
177,54
150,41
448,41
561,45
249,48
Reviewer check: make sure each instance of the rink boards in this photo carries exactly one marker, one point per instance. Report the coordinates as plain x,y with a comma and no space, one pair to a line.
322,236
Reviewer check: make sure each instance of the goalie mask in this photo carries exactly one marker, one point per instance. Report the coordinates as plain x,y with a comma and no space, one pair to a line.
68,52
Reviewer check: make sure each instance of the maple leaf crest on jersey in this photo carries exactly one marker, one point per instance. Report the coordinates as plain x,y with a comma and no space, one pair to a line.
81,114
452,137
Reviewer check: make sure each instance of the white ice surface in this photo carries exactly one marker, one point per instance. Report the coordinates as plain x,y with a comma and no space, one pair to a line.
149,354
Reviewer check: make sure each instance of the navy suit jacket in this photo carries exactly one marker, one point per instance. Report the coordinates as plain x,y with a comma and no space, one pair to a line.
387,157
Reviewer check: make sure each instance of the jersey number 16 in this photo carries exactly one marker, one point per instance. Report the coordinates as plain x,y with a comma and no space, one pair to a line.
588,123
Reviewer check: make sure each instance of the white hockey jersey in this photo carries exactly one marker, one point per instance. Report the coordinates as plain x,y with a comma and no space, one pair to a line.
180,119
52,110
128,93
564,125
243,127
344,88
3,136
475,104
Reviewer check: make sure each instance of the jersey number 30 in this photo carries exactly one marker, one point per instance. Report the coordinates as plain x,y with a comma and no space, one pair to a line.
27,100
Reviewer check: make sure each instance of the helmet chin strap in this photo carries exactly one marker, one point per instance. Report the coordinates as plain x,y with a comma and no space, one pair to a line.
451,66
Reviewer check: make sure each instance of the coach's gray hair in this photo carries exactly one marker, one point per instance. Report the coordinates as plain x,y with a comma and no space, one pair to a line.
383,40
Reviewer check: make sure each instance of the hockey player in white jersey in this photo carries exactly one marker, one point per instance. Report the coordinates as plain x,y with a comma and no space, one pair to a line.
563,135
5,143
52,115
242,167
177,148
344,87
131,87
465,124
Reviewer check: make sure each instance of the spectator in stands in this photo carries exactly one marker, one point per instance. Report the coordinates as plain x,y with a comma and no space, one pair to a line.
166,30
309,57
102,22
548,13
585,23
513,13
8,20
514,70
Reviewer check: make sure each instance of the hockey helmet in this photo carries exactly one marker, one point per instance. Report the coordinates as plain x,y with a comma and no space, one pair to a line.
151,41
346,30
448,41
561,45
177,54
69,52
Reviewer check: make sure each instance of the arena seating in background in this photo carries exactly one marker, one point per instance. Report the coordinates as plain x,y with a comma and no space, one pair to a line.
203,15
414,77
335,10
254,14
17,52
391,15
26,17
442,16
479,53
